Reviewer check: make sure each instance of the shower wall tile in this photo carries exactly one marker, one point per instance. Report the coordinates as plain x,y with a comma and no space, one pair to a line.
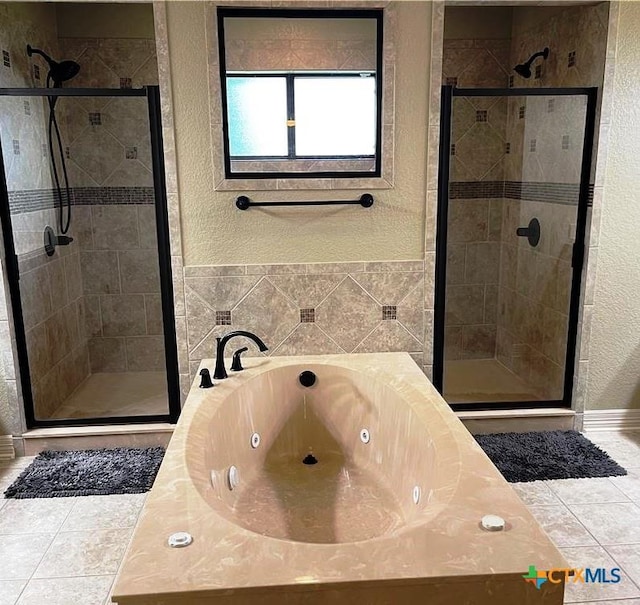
139,271
123,315
347,300
100,273
145,353
107,355
115,227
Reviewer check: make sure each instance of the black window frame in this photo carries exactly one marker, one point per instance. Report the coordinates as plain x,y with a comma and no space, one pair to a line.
377,14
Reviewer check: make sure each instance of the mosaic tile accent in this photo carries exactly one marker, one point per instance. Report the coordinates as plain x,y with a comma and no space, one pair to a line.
131,153
95,118
453,81
481,115
41,199
6,58
522,110
223,318
511,81
565,141
532,145
27,108
571,59
453,149
538,72
551,105
389,312
507,147
307,315
126,83
16,147
556,193
36,72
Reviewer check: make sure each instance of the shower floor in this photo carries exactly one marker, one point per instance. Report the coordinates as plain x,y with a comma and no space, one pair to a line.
117,394
484,380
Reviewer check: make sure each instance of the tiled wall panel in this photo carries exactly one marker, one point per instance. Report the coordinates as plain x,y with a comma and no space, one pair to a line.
308,308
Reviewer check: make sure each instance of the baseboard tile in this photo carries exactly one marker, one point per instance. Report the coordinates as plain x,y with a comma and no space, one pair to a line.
611,420
6,448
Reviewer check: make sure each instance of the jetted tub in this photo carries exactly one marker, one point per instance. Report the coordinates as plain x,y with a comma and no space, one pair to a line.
389,514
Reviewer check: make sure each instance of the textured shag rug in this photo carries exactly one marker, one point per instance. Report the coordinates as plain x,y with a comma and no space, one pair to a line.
547,455
88,473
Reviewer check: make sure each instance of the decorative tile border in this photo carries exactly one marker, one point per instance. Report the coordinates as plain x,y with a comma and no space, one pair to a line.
552,193
31,200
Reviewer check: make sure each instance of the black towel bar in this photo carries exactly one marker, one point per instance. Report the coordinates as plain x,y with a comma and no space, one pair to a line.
365,200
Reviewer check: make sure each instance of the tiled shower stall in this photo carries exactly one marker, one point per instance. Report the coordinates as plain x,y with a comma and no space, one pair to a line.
94,306
513,159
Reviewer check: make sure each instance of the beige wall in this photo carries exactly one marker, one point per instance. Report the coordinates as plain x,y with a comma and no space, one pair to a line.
614,369
214,232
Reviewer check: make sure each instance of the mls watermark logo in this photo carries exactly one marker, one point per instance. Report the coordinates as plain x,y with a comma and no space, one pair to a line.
586,575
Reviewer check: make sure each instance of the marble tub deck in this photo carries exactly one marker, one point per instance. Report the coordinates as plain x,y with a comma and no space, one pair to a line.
441,553
33,533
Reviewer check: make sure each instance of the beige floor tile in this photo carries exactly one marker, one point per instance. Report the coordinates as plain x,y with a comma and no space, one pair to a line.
586,491
91,590
628,556
9,471
561,526
117,394
84,553
21,554
104,512
616,602
615,523
34,515
596,556
629,484
10,591
535,493
472,380
624,448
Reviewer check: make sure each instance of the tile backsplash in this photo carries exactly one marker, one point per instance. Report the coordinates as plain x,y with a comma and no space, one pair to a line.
304,309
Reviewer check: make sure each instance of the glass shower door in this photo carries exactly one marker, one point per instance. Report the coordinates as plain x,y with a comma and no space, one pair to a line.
514,208
87,260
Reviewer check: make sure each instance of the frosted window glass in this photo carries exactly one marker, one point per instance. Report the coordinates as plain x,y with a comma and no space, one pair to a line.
335,116
257,116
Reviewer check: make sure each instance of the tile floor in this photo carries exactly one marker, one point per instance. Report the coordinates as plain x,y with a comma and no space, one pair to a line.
106,394
66,551
474,380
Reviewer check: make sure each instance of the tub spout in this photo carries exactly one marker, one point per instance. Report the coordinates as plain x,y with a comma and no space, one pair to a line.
220,372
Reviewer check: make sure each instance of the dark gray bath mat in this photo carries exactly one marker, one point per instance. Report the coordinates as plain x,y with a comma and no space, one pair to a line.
547,455
101,472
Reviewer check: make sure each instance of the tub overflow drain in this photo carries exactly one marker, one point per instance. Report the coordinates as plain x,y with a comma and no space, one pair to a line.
180,539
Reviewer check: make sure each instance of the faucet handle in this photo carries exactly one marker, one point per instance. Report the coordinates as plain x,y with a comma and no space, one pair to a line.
205,379
236,363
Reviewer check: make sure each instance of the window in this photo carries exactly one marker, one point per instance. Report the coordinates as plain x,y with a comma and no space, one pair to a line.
301,92
302,116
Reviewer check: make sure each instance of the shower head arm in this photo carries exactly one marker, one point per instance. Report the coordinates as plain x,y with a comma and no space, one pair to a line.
543,53
36,51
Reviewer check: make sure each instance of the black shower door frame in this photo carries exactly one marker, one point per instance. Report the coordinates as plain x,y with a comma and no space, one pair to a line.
577,260
152,94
